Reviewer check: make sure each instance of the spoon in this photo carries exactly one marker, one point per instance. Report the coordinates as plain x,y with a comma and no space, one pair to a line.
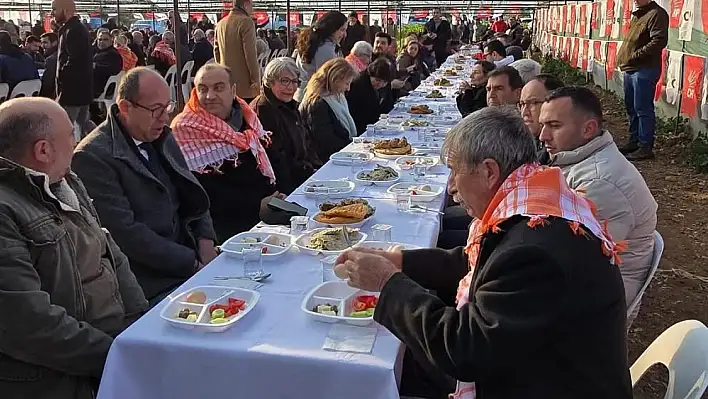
257,278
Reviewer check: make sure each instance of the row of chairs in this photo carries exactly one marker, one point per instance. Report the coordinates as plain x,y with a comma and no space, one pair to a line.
265,58
26,88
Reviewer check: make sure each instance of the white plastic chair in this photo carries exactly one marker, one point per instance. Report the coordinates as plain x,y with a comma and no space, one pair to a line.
111,87
170,78
281,53
262,61
4,91
186,81
683,349
27,88
656,258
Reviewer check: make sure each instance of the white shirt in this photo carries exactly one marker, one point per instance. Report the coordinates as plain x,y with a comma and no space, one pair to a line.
142,152
504,61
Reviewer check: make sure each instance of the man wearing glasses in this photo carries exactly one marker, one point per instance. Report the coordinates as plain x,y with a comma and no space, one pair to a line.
143,191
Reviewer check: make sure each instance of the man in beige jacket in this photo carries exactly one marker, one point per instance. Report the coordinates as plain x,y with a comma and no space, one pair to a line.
235,47
591,162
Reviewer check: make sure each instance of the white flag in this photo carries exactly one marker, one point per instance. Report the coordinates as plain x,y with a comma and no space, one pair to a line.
307,18
686,22
673,77
603,19
704,99
616,22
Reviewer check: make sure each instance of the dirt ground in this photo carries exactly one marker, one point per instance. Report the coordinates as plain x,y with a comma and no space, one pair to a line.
678,292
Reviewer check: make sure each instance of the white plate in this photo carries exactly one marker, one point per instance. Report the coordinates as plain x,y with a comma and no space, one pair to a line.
382,183
336,293
445,120
214,295
429,161
234,245
328,188
434,188
384,156
386,246
303,240
344,158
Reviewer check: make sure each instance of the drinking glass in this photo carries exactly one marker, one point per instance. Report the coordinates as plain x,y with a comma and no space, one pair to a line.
252,262
298,225
328,268
382,232
403,202
419,170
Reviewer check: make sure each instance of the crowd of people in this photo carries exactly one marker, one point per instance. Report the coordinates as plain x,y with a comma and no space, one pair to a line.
95,233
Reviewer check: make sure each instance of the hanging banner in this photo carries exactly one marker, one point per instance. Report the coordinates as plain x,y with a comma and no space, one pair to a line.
307,18
564,19
554,43
673,77
602,18
704,93
571,21
405,17
261,17
597,51
585,57
609,18
616,19
686,24
594,15
626,16
662,78
675,13
320,14
567,49
611,60
575,55
704,18
692,84
582,19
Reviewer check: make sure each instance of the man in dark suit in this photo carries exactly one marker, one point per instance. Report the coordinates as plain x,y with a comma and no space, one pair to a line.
439,30
533,307
143,191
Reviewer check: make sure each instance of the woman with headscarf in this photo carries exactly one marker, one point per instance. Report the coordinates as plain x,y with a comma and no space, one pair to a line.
325,109
318,44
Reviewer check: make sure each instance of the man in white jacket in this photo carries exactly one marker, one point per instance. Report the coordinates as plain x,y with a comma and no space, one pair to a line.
571,120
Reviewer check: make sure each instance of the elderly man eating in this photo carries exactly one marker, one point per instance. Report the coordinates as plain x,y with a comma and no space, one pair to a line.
532,307
224,145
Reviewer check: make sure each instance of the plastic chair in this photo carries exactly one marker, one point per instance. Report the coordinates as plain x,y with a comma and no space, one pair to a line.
187,81
4,91
27,88
171,82
110,90
683,349
262,61
656,258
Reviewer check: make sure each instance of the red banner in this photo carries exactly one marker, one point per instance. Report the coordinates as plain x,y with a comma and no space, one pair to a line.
611,59
597,54
692,84
704,16
586,49
609,17
319,15
574,54
566,51
595,15
662,77
564,16
294,18
675,13
583,19
626,16
554,43
572,20
261,17
424,13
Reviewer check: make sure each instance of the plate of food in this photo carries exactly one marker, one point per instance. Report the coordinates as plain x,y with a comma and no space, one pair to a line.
209,308
329,240
272,245
350,212
337,302
392,148
434,94
345,158
418,192
445,120
459,67
442,82
413,122
408,162
379,176
328,188
420,110
450,72
386,246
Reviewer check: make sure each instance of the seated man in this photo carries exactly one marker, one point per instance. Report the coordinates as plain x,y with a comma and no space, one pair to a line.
66,289
503,86
591,162
533,94
392,91
142,189
495,52
223,142
533,307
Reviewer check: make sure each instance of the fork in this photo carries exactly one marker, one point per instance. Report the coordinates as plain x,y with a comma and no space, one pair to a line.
345,234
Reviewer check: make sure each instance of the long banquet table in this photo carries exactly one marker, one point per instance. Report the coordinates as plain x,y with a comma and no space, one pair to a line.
276,350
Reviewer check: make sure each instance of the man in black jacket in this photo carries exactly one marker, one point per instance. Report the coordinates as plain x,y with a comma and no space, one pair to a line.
533,309
363,96
74,65
439,30
50,43
355,32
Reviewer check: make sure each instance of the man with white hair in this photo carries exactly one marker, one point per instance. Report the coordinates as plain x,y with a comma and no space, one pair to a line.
527,68
202,52
211,35
184,53
360,56
532,307
66,289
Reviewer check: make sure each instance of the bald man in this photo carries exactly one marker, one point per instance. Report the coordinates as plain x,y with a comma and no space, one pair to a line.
142,188
66,289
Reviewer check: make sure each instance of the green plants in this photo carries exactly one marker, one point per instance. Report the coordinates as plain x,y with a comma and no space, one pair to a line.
563,71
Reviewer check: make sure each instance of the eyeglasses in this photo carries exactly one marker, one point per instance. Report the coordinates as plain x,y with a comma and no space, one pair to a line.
288,82
529,103
159,110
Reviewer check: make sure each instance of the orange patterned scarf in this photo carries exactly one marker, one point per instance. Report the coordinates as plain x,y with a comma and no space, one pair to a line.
355,62
536,192
129,59
207,141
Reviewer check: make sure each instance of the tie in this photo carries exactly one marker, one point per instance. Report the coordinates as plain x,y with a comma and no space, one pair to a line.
152,160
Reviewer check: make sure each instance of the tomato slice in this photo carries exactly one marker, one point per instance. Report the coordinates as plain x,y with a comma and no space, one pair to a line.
359,305
373,302
236,302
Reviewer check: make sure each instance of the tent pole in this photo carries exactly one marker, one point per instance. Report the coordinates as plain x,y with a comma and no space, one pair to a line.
287,17
177,80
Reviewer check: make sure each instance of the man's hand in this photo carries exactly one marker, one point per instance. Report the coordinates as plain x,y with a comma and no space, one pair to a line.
464,85
366,270
394,256
432,35
266,200
397,84
207,251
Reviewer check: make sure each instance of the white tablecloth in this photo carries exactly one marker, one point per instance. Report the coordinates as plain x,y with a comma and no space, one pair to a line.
276,350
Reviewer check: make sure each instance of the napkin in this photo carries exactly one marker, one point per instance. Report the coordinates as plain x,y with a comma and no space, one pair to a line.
345,338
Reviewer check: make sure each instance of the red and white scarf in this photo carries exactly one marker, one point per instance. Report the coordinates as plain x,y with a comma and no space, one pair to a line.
207,140
537,192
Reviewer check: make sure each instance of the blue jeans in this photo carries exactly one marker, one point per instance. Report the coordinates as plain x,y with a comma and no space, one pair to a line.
639,89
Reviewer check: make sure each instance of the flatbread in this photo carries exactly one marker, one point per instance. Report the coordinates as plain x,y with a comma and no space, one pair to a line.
405,150
353,213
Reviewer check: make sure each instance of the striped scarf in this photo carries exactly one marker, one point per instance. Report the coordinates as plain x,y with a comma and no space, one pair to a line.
207,141
164,52
537,192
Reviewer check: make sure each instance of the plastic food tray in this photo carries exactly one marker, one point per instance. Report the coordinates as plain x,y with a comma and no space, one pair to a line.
400,187
335,293
328,188
382,183
429,161
234,245
303,240
344,158
214,295
386,246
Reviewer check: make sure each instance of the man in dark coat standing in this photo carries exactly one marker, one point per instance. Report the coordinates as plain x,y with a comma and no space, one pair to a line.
74,65
439,30
355,32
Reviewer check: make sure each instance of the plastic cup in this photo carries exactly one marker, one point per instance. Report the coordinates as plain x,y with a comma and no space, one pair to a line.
252,262
298,225
382,232
403,202
328,268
